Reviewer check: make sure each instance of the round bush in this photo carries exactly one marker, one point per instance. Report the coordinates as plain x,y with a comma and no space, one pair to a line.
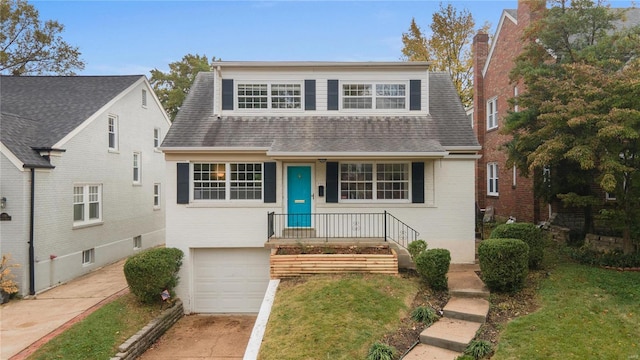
151,272
503,263
416,247
433,265
527,232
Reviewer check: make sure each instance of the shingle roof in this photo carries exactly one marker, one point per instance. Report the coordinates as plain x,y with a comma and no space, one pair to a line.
446,125
38,111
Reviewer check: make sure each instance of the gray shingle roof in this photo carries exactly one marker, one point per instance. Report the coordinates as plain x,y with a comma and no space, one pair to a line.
38,111
446,126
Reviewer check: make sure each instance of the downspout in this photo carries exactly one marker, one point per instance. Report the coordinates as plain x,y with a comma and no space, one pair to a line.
32,263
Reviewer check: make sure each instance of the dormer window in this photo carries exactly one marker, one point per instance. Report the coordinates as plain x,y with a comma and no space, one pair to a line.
269,96
385,96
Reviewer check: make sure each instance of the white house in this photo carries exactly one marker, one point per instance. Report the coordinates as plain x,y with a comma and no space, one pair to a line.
262,148
82,176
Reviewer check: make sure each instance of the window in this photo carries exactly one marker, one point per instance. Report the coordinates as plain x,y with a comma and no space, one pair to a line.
492,179
515,176
362,96
88,256
87,204
156,196
137,242
137,168
391,181
113,132
492,113
516,108
156,138
144,98
269,96
610,197
227,181
286,96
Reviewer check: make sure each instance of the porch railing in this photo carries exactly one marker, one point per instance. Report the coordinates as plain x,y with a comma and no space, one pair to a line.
330,226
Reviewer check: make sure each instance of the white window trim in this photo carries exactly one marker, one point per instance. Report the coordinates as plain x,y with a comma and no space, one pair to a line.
91,254
227,183
157,196
236,96
157,136
115,133
493,169
87,221
515,176
492,116
144,98
137,242
373,84
516,108
137,165
375,183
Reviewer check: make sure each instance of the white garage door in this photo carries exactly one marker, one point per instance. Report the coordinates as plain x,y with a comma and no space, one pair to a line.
230,280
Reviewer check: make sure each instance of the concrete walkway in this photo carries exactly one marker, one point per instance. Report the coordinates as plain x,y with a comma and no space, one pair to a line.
465,312
27,324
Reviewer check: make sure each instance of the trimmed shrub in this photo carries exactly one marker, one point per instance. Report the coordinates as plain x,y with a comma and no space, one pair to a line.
527,232
416,247
151,272
433,265
380,351
504,263
424,314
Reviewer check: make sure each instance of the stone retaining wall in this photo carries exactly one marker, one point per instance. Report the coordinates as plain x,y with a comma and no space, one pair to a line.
603,243
143,339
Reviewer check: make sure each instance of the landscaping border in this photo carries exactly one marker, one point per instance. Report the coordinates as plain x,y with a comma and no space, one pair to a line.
137,344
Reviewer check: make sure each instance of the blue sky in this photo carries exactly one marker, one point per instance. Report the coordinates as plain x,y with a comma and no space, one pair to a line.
133,37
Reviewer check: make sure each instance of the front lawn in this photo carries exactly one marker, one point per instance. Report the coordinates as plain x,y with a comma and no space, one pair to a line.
585,313
99,335
335,317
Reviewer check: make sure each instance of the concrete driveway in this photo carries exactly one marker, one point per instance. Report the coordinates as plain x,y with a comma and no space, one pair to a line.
204,337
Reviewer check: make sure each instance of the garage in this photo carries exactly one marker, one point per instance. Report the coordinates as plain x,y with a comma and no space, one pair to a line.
229,280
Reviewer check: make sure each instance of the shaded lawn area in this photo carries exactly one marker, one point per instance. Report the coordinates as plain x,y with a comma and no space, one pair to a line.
586,313
335,317
99,334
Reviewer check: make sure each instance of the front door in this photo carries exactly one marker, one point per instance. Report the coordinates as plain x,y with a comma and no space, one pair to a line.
299,196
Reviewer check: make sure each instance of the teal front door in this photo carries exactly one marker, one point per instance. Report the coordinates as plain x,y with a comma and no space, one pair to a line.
299,196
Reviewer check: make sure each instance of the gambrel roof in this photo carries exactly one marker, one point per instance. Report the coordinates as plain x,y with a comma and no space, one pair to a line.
39,111
445,128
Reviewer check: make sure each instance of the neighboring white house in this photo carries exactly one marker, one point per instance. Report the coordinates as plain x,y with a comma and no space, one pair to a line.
310,138
82,176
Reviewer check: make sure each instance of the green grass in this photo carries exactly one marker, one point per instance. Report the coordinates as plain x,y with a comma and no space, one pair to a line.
99,335
335,317
586,313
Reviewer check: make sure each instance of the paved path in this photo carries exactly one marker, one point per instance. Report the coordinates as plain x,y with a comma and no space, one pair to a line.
27,324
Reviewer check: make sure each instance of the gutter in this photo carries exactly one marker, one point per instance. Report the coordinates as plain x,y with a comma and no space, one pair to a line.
32,262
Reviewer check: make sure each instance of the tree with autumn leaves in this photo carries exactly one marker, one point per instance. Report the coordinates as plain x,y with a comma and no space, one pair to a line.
580,113
448,49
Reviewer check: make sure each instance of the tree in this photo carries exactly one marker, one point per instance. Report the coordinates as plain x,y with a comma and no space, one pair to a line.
448,49
581,116
172,87
27,46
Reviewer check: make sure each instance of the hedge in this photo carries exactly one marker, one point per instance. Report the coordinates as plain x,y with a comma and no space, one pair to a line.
433,265
504,263
151,272
527,232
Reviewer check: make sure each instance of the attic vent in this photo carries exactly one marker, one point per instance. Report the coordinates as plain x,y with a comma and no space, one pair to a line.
144,98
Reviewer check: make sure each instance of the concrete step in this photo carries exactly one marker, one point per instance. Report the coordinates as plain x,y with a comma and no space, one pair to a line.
466,284
451,334
428,352
468,309
404,258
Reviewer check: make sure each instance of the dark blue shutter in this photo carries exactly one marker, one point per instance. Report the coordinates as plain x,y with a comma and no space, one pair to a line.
332,182
183,183
227,94
332,94
270,182
309,94
414,94
417,182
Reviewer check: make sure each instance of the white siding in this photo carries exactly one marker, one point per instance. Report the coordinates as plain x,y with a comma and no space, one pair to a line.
127,209
14,234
